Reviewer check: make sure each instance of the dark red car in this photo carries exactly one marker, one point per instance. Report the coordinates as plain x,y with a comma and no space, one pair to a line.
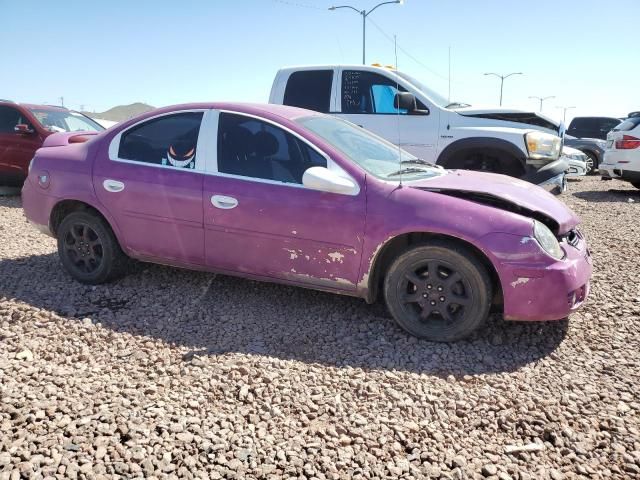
23,128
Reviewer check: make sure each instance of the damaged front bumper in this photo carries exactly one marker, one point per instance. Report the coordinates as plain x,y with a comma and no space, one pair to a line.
551,176
552,291
555,185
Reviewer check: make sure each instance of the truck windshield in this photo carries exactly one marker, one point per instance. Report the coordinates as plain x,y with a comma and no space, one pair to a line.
432,95
375,155
65,121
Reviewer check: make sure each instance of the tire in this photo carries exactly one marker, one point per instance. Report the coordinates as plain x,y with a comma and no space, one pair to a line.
592,163
636,184
485,162
415,301
88,249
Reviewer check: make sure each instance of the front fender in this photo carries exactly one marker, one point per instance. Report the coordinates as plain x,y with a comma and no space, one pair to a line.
497,145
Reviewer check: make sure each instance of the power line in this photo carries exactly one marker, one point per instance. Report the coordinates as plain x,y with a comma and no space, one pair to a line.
297,4
403,50
385,34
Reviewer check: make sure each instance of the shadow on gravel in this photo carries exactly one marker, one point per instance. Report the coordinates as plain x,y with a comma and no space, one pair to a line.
213,315
611,195
10,197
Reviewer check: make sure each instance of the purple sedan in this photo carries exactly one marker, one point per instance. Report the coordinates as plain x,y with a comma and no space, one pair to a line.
288,195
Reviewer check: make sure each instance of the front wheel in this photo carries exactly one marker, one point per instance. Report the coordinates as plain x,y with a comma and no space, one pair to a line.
88,249
592,163
438,292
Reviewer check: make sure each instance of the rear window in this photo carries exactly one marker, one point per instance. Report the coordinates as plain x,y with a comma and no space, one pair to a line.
310,89
628,124
169,140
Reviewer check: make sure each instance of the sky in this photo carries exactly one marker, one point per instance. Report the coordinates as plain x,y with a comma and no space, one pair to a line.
100,54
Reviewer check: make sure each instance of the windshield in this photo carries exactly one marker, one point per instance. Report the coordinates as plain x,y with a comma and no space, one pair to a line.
375,155
434,96
65,121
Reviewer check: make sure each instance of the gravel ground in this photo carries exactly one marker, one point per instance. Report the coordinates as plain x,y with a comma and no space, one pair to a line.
169,373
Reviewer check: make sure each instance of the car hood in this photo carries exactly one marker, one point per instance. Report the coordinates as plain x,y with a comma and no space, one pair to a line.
511,115
503,192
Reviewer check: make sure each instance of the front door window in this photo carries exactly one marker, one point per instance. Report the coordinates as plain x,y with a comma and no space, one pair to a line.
249,147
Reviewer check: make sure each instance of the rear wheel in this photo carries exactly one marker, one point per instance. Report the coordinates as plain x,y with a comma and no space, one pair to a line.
438,292
88,249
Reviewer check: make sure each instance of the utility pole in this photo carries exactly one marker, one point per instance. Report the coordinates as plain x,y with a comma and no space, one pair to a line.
449,99
61,101
365,14
542,99
564,113
502,78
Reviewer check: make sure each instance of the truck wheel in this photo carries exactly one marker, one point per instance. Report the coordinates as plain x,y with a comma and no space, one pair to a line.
88,249
438,292
486,162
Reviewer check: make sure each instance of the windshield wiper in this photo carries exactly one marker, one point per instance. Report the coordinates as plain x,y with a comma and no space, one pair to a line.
402,171
418,161
457,104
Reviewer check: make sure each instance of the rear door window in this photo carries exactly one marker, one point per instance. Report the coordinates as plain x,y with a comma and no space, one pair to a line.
606,125
310,89
9,118
170,140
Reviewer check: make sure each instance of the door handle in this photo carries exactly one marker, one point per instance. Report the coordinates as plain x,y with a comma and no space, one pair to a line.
224,202
113,186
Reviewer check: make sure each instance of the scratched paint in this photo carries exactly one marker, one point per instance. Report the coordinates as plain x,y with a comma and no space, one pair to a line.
336,257
520,281
292,253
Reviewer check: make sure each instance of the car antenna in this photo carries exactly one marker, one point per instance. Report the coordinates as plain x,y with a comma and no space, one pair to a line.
395,47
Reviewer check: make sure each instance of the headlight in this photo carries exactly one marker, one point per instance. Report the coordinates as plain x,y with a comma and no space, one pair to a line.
542,145
547,240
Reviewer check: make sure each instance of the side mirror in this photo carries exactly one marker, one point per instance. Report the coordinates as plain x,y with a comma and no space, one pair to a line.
23,128
325,180
407,101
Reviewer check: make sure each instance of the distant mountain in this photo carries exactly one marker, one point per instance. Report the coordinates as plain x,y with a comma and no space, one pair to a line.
121,112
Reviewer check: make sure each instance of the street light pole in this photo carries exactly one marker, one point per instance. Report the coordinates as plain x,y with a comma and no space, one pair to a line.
502,78
365,14
564,113
542,99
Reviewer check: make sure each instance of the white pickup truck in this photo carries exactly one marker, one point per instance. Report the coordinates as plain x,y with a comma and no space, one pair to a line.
404,111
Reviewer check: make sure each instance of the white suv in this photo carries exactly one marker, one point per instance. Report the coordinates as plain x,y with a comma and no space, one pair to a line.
622,155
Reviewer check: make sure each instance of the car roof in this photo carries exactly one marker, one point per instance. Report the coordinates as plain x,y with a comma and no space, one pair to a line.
42,107
596,117
359,66
33,105
259,109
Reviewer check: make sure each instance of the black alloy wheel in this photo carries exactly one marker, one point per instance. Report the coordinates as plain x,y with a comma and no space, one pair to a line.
88,249
439,293
83,247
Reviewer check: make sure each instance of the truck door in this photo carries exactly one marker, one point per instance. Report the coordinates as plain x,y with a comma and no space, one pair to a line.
367,99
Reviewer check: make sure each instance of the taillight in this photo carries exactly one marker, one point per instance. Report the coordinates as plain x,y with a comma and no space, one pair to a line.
627,143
